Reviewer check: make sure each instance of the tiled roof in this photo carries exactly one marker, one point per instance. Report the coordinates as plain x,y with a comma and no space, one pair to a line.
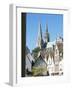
39,62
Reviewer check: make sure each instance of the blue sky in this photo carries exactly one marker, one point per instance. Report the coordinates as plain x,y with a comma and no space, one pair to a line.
55,27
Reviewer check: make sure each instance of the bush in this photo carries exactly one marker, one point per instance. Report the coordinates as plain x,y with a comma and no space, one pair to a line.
37,71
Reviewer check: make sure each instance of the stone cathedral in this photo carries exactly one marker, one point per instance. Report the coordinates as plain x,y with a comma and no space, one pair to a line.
47,57
50,52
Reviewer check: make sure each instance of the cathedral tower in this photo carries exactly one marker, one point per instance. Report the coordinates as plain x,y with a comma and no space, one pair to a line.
40,39
46,38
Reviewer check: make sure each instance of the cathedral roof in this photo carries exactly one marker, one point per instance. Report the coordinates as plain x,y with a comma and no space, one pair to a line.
50,49
45,53
49,45
40,62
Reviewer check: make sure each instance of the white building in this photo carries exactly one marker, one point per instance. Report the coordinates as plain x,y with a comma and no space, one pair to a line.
61,67
50,65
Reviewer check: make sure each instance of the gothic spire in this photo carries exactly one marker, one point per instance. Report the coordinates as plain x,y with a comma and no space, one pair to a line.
47,38
40,40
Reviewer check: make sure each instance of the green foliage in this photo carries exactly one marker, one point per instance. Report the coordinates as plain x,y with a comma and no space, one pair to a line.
36,50
37,71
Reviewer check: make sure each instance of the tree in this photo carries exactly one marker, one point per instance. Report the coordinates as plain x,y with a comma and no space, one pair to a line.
35,52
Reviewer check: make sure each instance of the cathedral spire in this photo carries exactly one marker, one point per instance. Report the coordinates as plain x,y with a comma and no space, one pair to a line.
40,39
47,38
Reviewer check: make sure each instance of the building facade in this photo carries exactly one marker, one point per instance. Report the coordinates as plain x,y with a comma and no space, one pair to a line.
52,52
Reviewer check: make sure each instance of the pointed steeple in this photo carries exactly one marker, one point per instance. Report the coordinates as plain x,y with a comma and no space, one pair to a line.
40,31
47,38
49,60
40,39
